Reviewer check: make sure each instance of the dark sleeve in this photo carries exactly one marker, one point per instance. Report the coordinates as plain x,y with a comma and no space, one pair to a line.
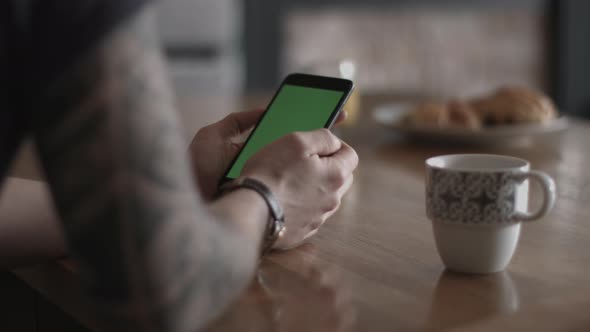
39,40
63,30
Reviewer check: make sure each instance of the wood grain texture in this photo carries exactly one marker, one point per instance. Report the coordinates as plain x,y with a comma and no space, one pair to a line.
374,266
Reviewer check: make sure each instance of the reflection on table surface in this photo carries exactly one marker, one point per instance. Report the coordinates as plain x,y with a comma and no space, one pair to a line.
374,266
473,298
313,299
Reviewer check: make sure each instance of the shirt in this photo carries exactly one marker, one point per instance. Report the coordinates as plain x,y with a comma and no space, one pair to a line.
39,39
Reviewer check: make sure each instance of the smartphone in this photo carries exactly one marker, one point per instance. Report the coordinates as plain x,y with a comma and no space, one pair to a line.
302,103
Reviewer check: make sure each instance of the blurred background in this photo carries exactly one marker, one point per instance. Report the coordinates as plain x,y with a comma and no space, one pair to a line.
424,48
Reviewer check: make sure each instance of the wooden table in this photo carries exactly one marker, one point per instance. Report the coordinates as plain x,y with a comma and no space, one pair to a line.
374,266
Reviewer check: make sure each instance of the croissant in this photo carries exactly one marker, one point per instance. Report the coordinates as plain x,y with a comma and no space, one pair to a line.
454,114
514,105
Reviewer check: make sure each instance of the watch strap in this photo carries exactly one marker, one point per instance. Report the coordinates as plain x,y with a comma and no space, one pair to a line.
276,226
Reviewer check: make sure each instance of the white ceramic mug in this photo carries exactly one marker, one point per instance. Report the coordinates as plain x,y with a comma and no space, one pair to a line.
476,203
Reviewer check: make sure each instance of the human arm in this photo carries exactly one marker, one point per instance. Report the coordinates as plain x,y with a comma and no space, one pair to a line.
215,146
30,231
154,255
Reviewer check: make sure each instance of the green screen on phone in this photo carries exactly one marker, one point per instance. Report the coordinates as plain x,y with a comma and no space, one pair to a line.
295,108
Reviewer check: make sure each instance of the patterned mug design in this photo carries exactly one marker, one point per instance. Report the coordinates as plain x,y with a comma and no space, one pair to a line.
471,197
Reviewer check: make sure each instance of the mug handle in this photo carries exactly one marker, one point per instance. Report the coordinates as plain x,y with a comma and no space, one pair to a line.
549,195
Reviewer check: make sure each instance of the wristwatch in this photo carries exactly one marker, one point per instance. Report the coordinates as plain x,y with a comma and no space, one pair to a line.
275,228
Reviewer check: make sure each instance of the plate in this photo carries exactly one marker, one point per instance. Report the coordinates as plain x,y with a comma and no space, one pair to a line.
391,115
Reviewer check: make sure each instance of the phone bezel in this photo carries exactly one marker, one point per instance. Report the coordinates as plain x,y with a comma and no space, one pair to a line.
306,80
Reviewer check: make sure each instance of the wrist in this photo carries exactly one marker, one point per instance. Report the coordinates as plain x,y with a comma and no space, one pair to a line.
243,209
275,227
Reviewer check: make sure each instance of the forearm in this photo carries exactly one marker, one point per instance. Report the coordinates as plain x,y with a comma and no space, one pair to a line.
203,269
154,256
228,265
29,228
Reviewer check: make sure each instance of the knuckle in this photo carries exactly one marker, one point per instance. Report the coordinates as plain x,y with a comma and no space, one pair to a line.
297,141
326,132
339,177
351,157
295,138
330,137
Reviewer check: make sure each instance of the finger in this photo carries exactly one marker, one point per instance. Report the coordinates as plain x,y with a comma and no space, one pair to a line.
346,187
318,142
239,122
345,158
246,120
341,192
342,116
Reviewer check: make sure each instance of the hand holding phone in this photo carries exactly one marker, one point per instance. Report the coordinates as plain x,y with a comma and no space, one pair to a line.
306,167
302,103
308,172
